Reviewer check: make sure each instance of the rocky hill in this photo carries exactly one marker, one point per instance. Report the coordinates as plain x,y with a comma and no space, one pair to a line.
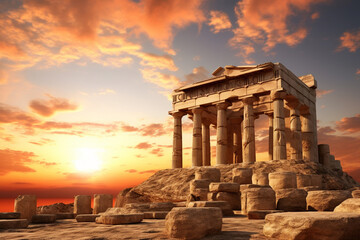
173,184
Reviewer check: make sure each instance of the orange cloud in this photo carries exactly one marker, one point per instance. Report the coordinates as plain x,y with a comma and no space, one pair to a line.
143,145
349,124
358,71
315,15
15,161
162,80
267,24
47,108
9,114
351,41
320,92
157,62
219,21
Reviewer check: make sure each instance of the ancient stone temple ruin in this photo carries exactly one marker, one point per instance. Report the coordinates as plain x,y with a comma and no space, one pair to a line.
233,99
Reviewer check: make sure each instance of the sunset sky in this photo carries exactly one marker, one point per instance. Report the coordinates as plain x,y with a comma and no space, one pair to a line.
85,84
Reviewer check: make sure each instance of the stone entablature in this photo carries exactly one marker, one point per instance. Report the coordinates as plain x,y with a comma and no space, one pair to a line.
231,101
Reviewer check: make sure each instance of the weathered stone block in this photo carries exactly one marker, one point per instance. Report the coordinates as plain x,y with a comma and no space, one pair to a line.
224,206
26,206
291,199
155,215
355,194
43,218
13,223
261,214
209,173
82,204
282,180
326,200
258,199
316,180
161,206
102,202
303,180
233,199
242,175
86,217
201,194
141,207
180,222
351,205
312,225
224,187
116,219
196,184
9,215
65,215
243,187
260,179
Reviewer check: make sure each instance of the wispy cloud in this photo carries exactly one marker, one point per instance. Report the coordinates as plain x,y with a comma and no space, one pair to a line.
49,107
349,124
219,21
320,92
350,40
16,161
259,22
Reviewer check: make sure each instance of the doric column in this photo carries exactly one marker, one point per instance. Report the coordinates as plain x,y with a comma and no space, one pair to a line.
230,143
221,133
279,141
295,128
248,141
197,138
206,153
177,140
271,133
237,143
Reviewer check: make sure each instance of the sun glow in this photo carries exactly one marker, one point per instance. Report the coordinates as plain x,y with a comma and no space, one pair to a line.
88,160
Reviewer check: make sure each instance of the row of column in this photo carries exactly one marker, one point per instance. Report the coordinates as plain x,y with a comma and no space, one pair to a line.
243,138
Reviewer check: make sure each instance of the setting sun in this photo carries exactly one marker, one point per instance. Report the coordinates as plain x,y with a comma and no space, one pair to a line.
88,160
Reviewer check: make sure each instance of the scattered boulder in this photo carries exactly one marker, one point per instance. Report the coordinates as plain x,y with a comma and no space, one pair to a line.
260,214
242,175
210,173
82,204
355,194
13,223
224,206
282,180
291,199
312,225
43,218
224,187
193,223
102,202
9,215
326,200
86,217
258,199
351,205
55,208
26,206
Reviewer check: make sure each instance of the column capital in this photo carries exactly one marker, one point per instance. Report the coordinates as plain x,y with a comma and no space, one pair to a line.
222,105
177,114
249,100
278,95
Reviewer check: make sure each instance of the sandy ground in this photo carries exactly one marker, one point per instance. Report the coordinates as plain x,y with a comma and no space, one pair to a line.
237,227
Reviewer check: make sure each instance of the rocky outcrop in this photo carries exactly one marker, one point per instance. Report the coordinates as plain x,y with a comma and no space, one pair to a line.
312,225
351,205
173,184
55,208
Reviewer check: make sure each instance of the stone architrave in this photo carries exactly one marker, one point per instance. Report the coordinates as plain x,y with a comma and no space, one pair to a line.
26,206
102,202
295,128
82,204
248,140
221,146
206,149
197,138
279,139
177,140
282,180
193,223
